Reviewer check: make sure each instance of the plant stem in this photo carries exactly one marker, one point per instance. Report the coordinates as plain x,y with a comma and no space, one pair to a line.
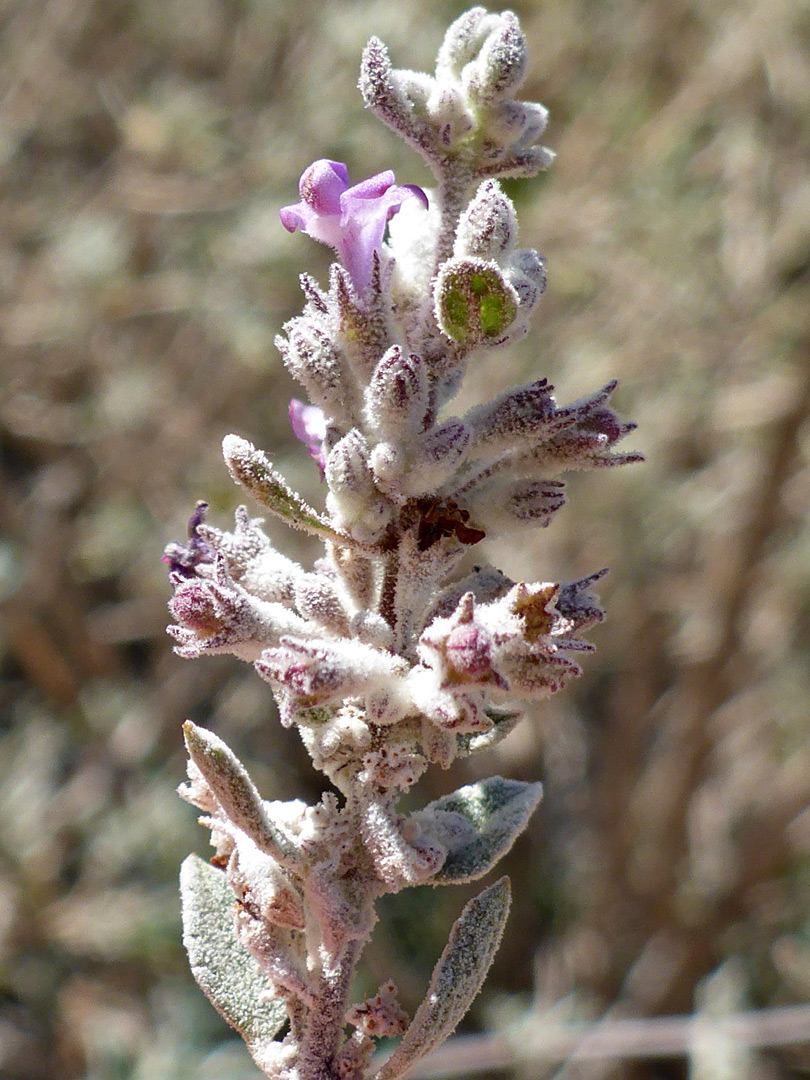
326,1021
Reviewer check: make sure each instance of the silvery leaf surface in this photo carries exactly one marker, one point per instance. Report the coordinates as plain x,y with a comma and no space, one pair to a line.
223,968
253,470
504,723
456,979
236,794
478,824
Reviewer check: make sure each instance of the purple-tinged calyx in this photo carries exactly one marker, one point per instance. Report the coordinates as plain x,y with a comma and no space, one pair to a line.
351,220
309,425
461,648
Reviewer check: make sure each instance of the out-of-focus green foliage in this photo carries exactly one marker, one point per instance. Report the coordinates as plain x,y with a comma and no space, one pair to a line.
146,146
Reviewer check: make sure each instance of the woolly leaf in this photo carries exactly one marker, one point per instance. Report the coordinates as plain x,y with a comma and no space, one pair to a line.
456,979
478,824
225,971
234,791
503,724
379,85
253,470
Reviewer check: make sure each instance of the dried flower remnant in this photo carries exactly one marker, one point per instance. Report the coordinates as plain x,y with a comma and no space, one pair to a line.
386,656
183,559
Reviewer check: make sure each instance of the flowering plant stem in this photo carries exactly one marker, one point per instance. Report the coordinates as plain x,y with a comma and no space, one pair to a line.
389,655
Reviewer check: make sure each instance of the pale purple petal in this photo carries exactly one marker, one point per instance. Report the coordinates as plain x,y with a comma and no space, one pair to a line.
351,220
309,425
319,211
372,188
415,190
367,209
322,185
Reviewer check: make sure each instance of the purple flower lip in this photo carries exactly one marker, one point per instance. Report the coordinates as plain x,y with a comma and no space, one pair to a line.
309,425
351,220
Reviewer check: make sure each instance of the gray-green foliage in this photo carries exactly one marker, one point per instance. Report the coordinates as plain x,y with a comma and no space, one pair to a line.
479,823
230,977
385,656
456,978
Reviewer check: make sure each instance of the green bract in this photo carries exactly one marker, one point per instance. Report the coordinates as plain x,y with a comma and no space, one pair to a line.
475,304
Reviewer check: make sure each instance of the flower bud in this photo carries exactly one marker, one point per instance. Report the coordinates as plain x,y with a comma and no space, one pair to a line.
486,583
461,42
312,673
488,227
535,501
450,114
518,123
320,670
347,468
506,504
317,600
520,415
526,270
312,358
396,861
459,648
219,616
605,422
202,607
390,465
578,604
397,396
500,66
457,709
260,885
437,455
353,501
251,559
584,440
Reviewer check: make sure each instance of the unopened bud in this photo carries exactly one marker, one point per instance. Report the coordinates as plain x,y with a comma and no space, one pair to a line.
397,396
488,227
500,66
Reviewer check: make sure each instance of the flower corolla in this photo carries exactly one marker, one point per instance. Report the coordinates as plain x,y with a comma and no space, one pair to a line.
350,219
309,426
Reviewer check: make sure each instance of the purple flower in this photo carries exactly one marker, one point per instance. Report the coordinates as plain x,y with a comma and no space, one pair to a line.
309,425
352,220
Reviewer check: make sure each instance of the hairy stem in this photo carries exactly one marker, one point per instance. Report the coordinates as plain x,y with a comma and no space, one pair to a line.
324,1032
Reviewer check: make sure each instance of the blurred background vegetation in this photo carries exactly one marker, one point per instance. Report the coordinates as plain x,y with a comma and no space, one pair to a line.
145,148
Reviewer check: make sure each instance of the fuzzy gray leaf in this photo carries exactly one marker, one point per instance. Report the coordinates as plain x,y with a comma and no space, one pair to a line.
234,791
478,824
224,970
503,724
253,470
456,979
